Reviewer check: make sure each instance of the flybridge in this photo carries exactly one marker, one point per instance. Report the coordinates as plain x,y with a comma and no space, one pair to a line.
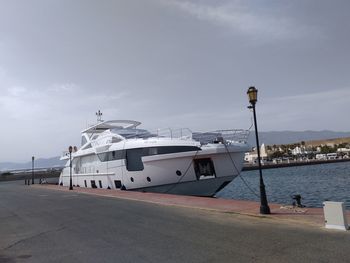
113,124
127,129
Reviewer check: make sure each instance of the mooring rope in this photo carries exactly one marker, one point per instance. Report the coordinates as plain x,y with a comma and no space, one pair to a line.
182,176
239,173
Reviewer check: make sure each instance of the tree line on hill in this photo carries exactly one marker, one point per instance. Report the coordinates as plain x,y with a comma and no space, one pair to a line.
303,149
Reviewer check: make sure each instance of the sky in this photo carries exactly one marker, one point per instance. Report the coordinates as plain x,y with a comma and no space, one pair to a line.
168,63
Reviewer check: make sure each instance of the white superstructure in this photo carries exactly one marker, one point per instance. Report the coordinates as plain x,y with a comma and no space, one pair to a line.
118,155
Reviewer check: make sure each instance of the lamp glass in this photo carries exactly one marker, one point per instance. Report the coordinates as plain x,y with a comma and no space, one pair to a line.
252,94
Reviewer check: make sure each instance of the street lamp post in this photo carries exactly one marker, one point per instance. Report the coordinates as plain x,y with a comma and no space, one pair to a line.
253,98
70,167
33,169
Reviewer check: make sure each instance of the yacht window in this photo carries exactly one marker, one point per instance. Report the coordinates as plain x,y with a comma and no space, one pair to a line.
112,156
134,159
87,146
120,154
168,149
116,155
103,157
83,141
153,151
115,139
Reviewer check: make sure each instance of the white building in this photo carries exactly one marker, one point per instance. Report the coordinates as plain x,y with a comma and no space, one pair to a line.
251,157
296,151
343,150
321,156
299,150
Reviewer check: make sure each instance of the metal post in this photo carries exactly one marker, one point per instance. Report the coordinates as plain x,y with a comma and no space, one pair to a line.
32,169
264,207
70,169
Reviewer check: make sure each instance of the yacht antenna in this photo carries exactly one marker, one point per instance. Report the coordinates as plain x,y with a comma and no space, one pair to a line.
99,116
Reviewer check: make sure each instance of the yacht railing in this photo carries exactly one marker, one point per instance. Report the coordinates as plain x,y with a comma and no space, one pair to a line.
177,133
223,136
173,133
227,136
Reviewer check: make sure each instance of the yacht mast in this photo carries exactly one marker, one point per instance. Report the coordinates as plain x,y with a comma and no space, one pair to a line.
99,116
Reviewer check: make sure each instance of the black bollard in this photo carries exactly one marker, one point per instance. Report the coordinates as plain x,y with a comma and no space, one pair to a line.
297,199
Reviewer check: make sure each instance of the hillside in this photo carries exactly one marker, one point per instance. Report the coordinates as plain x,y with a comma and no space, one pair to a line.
39,163
288,137
329,141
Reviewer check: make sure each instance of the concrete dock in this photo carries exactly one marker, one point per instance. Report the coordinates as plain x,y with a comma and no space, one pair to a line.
52,224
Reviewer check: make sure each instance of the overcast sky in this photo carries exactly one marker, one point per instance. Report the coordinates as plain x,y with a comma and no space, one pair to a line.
168,63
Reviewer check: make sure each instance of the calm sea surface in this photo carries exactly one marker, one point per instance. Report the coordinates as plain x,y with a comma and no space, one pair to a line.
315,183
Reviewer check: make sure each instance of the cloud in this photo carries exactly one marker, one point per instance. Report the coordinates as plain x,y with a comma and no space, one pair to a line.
319,110
65,87
16,91
247,21
332,96
44,119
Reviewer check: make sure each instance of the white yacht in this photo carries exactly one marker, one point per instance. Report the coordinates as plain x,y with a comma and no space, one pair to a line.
117,154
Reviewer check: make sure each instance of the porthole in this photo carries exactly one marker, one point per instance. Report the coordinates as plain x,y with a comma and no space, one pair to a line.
178,172
131,179
148,179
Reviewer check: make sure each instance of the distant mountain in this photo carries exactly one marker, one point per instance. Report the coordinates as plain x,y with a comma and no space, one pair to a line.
39,163
287,137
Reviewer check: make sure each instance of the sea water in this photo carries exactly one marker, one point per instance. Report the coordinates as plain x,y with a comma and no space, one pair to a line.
315,183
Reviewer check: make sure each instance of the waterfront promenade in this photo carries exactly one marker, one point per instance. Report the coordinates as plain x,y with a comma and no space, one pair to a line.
52,224
271,165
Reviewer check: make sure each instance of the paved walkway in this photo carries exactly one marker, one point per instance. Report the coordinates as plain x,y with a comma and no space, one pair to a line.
308,216
42,224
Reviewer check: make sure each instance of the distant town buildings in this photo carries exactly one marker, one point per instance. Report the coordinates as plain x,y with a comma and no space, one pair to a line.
303,151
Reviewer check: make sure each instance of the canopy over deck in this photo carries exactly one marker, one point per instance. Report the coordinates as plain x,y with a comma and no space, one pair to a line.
113,124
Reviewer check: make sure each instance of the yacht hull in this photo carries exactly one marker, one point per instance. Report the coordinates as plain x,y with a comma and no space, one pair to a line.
171,173
208,187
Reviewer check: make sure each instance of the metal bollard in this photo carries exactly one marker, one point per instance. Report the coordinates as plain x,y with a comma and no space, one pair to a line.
297,198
